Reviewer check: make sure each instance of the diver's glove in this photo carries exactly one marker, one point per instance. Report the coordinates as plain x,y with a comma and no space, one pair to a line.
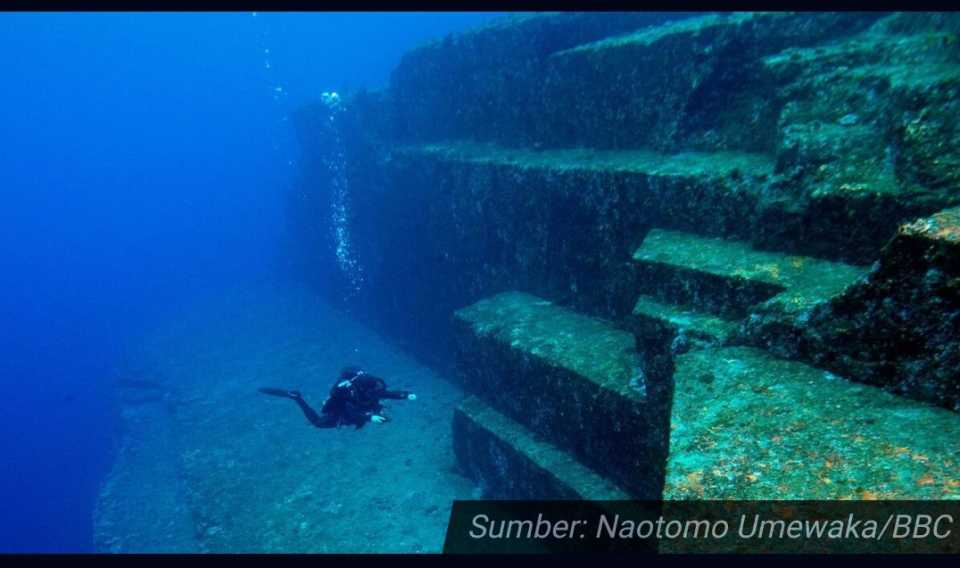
377,419
411,396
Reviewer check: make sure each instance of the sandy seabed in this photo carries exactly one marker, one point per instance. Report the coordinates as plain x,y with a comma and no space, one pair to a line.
207,464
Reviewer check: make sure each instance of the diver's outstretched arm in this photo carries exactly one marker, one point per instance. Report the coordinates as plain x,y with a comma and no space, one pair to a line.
398,395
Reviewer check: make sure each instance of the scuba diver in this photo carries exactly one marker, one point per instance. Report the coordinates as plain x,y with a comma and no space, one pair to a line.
354,400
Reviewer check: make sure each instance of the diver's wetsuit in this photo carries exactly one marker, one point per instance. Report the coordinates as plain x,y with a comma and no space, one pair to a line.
355,400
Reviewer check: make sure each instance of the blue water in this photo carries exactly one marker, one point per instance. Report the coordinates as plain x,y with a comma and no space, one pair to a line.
142,164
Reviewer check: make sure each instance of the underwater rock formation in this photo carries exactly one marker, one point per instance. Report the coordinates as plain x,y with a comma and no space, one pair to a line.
786,430
509,462
571,379
766,203
900,327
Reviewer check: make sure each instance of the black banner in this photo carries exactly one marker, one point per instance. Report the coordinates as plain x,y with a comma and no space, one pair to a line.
706,527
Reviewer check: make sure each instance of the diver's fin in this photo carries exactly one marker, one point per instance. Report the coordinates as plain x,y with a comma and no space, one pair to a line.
278,392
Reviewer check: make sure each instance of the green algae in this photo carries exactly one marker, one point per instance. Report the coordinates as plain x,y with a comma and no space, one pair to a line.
804,281
586,346
845,160
745,425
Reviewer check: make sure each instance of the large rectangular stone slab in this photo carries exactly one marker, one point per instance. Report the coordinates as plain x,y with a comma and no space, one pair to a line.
746,425
711,192
459,222
727,276
482,82
574,380
510,462
709,165
668,87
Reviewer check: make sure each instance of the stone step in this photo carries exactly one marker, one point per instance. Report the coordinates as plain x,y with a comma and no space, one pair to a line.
910,77
868,48
658,85
574,380
711,165
478,82
598,80
510,462
708,191
702,28
906,60
682,326
745,425
728,277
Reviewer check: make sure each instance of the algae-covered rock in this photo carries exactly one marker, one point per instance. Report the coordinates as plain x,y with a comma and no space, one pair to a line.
691,83
745,425
573,380
899,327
866,137
507,461
696,182
483,83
